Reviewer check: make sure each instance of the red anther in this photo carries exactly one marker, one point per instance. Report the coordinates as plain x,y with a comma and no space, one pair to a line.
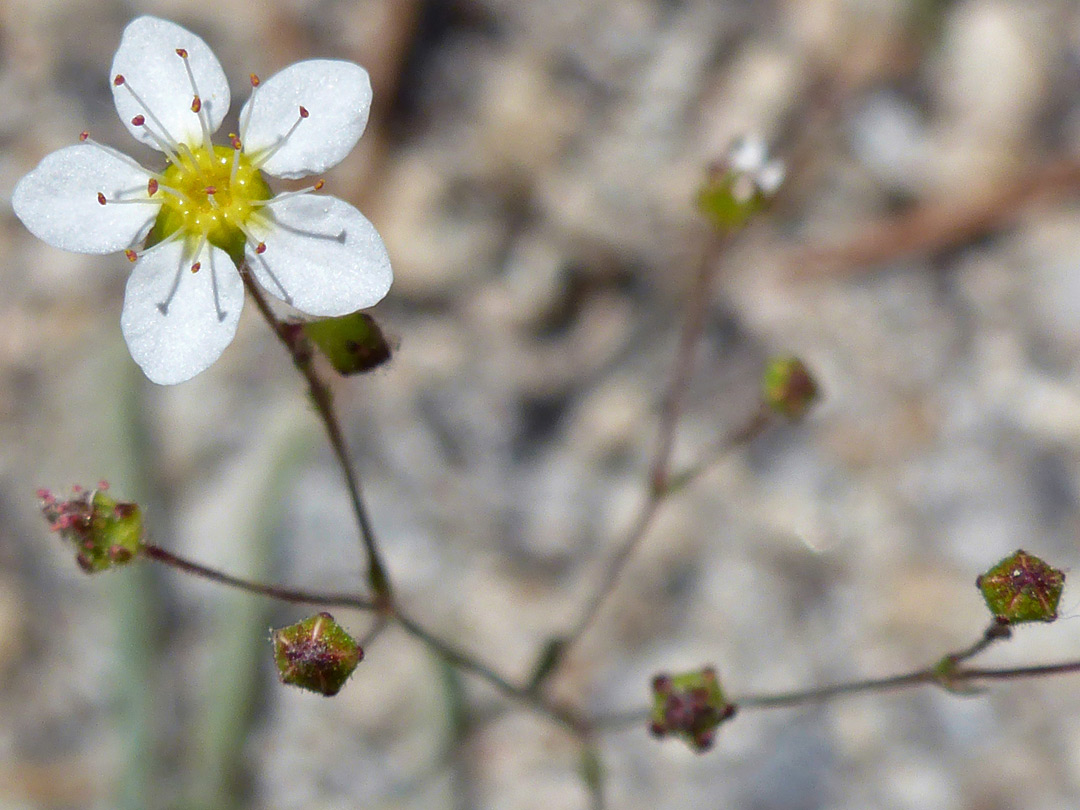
76,489
132,256
260,248
304,113
319,184
234,141
84,135
44,494
182,53
196,267
254,80
138,120
101,198
211,190
151,187
103,485
118,80
196,104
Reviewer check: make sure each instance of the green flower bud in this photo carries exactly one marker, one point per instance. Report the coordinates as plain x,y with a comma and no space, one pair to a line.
316,654
740,186
690,706
352,343
788,387
105,532
1022,588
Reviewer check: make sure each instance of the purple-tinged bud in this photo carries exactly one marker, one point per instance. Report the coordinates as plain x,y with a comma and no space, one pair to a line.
352,343
104,532
1022,588
690,706
316,654
788,388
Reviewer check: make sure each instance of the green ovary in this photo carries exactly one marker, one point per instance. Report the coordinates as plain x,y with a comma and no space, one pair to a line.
211,202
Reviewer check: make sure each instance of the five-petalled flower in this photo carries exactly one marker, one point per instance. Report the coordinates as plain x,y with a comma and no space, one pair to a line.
211,209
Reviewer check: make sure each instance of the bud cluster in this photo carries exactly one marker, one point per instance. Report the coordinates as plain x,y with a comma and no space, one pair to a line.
105,532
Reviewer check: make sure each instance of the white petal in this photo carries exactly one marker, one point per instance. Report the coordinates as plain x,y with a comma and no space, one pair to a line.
57,201
322,256
174,343
148,62
338,97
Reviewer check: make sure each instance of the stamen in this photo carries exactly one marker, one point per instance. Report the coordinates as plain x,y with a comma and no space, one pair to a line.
84,137
260,249
166,147
252,239
234,141
103,200
196,103
134,256
151,187
269,153
250,106
317,186
165,137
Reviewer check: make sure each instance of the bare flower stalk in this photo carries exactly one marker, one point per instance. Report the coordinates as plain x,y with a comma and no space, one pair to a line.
278,592
660,481
323,401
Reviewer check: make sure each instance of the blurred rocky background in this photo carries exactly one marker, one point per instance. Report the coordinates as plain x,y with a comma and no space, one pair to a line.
532,166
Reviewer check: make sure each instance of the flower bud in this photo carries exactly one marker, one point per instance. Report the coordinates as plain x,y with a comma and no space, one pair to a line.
788,388
1022,588
740,185
352,343
105,532
690,706
316,654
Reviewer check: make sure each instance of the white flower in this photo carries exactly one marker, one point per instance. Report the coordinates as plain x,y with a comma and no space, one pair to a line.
754,173
211,208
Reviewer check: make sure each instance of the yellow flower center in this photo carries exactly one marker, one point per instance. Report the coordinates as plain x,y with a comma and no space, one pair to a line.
204,196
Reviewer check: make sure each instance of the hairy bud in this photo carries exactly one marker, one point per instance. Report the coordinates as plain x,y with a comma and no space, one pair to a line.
1022,588
690,706
316,654
104,532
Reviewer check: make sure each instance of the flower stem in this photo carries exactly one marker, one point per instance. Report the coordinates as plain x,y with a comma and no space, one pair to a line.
282,594
322,398
453,656
661,483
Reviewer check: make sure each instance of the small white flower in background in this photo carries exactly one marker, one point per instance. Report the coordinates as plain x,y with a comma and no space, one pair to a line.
211,208
754,172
